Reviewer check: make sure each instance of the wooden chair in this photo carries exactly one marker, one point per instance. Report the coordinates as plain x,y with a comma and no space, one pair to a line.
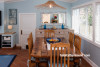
49,33
61,49
31,37
71,39
32,61
77,44
30,46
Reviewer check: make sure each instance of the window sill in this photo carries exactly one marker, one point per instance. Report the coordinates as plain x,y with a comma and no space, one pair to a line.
90,41
53,23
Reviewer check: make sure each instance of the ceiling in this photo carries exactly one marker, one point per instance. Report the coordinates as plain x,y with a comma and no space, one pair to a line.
70,1
10,0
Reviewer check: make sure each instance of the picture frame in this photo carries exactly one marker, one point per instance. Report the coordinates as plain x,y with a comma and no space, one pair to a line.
12,16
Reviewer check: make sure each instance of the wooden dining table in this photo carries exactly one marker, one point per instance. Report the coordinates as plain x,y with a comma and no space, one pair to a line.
40,49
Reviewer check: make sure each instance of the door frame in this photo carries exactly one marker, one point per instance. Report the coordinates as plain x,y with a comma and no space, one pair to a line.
20,27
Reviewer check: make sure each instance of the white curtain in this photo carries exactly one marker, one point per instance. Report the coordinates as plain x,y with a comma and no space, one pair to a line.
97,25
76,20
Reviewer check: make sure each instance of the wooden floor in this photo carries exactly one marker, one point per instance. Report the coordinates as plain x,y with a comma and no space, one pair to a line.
22,57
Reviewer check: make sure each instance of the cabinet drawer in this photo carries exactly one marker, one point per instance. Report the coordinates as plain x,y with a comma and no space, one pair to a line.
59,32
40,35
39,32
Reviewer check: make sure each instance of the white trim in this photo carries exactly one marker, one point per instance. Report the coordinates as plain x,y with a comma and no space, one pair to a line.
93,23
54,13
19,26
90,62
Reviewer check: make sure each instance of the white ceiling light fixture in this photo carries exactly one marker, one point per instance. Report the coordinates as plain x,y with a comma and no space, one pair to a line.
50,5
69,1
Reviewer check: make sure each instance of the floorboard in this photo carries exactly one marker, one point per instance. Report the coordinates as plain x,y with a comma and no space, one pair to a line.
22,57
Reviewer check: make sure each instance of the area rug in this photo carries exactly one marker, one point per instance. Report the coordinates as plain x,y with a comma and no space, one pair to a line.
6,60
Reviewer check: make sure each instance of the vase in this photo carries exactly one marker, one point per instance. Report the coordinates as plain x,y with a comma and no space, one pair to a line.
62,26
45,26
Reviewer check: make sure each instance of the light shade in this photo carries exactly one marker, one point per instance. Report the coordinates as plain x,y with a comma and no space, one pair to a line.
50,5
10,27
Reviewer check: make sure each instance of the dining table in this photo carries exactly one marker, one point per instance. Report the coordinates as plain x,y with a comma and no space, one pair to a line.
41,48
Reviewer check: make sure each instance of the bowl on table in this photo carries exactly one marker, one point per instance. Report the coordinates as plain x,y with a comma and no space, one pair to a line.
53,40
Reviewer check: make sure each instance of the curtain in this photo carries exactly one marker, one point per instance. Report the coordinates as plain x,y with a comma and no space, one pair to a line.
75,20
97,25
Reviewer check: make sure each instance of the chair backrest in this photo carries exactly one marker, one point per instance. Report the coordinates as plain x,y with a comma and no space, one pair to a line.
61,49
71,39
31,37
77,43
49,33
30,44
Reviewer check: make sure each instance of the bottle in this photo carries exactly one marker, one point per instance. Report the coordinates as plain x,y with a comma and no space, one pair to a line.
45,26
62,26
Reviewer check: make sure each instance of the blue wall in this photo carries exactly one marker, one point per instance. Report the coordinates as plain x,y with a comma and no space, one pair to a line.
2,9
94,51
28,6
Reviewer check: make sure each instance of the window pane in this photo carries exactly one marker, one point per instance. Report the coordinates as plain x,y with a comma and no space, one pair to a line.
97,25
61,18
53,18
82,21
46,18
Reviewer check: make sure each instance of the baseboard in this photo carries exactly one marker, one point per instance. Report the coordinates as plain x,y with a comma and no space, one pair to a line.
90,62
18,47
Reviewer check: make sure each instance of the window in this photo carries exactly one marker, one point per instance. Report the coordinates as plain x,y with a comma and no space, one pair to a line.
53,18
46,18
82,21
97,25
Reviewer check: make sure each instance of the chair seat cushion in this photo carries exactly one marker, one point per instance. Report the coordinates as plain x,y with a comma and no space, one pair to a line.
71,59
32,59
43,60
40,59
56,64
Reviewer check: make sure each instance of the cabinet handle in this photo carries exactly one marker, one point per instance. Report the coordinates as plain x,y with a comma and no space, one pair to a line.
40,32
21,32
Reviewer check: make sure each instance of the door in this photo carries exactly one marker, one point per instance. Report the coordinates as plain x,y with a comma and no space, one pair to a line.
27,25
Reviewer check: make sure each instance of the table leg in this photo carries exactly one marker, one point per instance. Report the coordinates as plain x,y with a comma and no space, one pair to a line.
37,62
77,62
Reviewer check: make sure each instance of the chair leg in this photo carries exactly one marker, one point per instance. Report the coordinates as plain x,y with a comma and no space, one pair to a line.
29,63
76,62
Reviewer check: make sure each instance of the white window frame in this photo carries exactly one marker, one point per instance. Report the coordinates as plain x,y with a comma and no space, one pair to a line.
93,3
54,23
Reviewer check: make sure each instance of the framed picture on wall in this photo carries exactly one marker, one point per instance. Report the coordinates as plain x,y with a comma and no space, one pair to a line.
12,16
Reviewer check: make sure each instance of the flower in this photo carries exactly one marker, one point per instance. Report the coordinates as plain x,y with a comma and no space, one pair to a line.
55,16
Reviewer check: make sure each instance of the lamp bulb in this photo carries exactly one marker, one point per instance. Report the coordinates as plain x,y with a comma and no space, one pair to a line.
50,6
